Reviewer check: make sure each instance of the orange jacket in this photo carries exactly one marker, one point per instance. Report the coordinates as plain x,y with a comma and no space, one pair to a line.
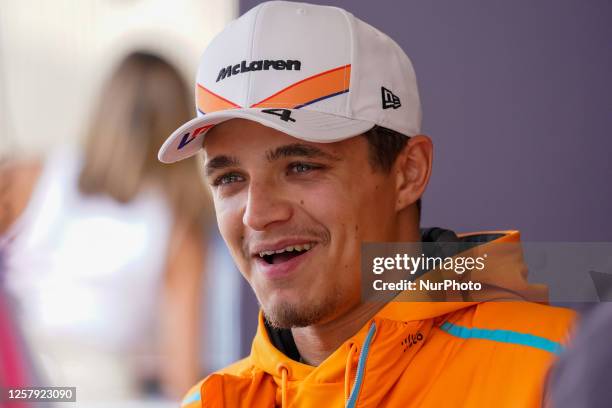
411,354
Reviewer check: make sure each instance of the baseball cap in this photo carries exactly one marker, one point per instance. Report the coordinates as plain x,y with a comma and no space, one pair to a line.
314,72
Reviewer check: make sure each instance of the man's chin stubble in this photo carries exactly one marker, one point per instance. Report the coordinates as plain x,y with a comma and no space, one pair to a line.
287,315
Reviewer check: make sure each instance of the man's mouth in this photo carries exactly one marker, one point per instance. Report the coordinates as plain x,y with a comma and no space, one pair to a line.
285,254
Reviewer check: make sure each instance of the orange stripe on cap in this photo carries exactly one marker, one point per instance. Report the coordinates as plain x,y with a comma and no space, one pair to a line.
209,101
307,90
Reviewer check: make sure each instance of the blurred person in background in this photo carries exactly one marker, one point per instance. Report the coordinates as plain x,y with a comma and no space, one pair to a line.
105,248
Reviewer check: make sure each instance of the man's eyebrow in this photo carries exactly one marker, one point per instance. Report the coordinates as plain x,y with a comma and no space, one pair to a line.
220,162
299,150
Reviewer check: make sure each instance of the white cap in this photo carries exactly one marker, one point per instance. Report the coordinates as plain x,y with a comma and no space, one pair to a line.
314,72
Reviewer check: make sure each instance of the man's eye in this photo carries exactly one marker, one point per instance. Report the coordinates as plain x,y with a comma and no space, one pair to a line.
302,167
227,179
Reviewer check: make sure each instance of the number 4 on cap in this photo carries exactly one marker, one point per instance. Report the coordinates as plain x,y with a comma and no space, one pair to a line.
284,114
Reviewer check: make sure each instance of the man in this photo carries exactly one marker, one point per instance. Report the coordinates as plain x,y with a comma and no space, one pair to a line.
309,120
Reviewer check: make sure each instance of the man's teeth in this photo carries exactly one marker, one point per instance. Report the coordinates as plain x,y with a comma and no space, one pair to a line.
304,247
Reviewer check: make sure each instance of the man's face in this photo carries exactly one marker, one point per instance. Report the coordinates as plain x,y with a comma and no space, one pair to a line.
294,215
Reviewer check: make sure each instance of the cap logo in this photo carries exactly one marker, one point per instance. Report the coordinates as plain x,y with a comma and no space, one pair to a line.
189,137
259,65
389,100
283,114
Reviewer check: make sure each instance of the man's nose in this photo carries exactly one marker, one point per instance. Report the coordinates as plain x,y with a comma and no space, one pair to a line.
265,206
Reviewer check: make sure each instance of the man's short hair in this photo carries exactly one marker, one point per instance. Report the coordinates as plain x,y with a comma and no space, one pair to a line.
384,147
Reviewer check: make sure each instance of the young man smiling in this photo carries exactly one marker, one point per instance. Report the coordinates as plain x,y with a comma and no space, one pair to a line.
308,161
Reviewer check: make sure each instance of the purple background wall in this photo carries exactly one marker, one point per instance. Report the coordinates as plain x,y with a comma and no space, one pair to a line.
517,97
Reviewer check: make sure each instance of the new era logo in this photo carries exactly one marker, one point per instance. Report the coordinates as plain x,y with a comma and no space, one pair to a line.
388,99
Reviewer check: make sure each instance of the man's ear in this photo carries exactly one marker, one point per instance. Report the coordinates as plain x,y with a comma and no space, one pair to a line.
412,170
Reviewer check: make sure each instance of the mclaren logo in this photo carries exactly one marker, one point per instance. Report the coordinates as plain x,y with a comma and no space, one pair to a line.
258,66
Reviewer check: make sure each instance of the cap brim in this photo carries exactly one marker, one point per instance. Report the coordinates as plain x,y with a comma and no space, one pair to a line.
303,124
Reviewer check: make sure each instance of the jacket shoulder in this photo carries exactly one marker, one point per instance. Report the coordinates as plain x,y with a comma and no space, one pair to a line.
521,323
193,398
537,319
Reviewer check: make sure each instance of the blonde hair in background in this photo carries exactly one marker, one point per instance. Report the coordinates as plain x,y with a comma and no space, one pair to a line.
143,102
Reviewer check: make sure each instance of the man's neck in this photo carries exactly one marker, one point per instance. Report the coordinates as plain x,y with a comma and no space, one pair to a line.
317,342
